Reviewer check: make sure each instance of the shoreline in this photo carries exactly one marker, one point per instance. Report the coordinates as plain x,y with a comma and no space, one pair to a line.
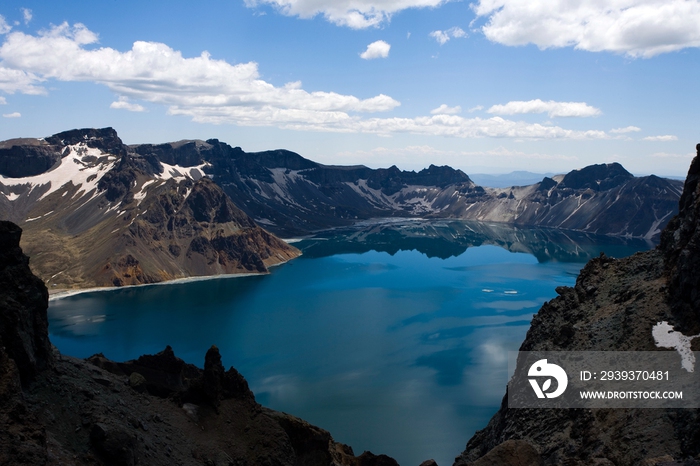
55,295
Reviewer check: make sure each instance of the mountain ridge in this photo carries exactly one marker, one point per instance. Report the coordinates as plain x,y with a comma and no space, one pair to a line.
292,195
193,207
103,216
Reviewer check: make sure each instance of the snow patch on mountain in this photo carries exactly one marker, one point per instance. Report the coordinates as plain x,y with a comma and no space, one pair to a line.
83,167
178,173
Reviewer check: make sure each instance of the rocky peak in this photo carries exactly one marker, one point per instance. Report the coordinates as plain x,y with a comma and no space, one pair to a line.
25,157
105,139
440,176
182,153
599,177
282,159
24,325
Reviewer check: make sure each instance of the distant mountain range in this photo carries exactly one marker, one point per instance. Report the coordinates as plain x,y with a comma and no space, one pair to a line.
291,195
97,212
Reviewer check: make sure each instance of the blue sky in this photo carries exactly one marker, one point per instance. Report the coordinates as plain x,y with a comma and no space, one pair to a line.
487,86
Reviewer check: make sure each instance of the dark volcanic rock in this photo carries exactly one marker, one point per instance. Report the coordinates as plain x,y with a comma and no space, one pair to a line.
597,177
680,242
511,453
315,196
183,153
370,459
115,444
105,139
612,307
23,303
18,161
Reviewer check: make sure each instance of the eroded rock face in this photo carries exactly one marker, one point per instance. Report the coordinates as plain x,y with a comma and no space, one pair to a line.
680,243
125,218
22,160
23,303
25,351
292,195
614,306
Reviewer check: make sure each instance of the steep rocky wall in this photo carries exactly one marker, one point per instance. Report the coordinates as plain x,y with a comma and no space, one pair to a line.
23,303
612,307
680,243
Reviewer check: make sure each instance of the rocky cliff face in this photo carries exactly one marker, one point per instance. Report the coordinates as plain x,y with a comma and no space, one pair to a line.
24,300
155,410
291,195
603,199
613,306
84,187
102,215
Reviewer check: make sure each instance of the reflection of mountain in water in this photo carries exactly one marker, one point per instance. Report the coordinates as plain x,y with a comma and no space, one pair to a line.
444,239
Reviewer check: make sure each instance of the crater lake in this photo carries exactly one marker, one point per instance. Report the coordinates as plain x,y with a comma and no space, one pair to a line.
392,335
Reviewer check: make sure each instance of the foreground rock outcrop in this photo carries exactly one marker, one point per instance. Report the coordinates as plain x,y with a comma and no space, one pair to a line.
613,306
156,410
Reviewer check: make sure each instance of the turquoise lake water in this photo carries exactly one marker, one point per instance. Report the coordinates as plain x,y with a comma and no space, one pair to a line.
392,336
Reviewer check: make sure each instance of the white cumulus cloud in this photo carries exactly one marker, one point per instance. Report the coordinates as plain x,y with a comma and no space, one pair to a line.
3,101
552,108
4,27
214,91
637,28
664,138
454,126
12,81
355,14
124,104
12,115
627,129
445,110
378,49
153,72
443,36
27,13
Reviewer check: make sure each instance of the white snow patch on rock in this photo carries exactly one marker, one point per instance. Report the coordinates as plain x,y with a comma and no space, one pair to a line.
179,173
72,169
666,337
